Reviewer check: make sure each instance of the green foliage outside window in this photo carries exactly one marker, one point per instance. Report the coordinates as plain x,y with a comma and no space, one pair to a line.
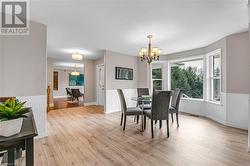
187,80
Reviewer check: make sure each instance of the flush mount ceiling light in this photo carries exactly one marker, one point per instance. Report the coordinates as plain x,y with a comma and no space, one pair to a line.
150,53
77,56
75,73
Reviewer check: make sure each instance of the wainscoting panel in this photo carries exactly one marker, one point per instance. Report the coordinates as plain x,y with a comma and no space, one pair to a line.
38,104
113,102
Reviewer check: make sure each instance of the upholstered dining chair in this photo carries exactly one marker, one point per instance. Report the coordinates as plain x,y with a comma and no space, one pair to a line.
160,108
146,105
175,102
125,110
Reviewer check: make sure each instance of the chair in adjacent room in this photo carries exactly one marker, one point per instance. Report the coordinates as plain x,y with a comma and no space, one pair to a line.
69,94
76,94
160,108
132,111
175,102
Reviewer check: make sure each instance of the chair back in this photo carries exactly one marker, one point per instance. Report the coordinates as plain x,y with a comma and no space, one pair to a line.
141,92
76,93
160,105
176,99
68,90
122,100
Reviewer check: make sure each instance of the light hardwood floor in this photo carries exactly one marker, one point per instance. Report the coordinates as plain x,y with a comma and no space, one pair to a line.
86,136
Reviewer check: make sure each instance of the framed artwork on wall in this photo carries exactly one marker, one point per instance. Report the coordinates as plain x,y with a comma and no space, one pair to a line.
122,73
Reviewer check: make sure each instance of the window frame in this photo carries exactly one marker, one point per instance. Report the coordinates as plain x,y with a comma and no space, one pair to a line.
193,58
152,79
210,75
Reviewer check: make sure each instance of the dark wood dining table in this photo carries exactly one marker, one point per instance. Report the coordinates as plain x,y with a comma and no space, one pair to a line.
23,140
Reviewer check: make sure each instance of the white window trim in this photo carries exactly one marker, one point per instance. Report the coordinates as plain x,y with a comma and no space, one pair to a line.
189,59
151,75
210,77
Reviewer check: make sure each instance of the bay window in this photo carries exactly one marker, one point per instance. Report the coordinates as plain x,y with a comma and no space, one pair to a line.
214,76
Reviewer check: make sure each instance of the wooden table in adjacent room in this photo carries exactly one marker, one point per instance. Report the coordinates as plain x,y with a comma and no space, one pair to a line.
23,140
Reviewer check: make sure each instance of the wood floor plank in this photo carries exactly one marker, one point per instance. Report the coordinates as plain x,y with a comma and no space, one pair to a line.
85,136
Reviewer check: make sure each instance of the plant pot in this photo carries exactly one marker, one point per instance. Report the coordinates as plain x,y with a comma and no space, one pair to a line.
10,127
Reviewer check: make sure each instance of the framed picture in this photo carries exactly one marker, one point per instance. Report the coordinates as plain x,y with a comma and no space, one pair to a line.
76,80
122,73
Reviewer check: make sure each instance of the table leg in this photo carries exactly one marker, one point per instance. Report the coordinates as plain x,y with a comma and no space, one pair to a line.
142,119
11,157
29,146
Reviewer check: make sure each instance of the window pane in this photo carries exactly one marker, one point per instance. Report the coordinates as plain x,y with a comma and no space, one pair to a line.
157,84
216,66
216,89
156,73
188,76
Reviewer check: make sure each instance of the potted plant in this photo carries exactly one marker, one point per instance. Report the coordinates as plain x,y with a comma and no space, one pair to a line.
11,117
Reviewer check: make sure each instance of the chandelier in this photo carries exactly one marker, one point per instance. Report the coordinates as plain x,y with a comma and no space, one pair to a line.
150,53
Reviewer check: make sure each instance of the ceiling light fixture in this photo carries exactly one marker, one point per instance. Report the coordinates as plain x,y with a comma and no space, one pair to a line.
77,56
150,53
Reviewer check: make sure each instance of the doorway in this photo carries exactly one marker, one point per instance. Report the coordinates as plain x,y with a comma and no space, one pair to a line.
100,86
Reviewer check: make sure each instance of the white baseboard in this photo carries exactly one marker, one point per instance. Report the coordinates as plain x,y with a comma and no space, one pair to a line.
41,135
56,97
90,103
112,111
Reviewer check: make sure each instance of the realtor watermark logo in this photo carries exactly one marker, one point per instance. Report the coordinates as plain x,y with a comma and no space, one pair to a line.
14,17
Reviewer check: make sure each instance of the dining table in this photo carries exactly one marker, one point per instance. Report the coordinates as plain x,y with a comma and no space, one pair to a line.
142,100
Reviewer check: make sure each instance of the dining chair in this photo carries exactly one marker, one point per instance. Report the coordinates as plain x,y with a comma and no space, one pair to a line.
76,94
125,110
145,105
175,102
160,108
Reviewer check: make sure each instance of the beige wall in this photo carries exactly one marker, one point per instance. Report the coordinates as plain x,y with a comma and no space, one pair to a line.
1,66
237,60
89,88
184,54
24,64
143,74
114,59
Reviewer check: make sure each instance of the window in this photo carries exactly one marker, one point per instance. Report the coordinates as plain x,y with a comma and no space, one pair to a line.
157,78
214,68
188,76
55,80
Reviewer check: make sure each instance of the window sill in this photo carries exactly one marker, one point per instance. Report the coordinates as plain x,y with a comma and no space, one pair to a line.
192,99
214,102
208,101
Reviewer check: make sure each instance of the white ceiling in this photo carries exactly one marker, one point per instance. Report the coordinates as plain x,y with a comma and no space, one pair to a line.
122,26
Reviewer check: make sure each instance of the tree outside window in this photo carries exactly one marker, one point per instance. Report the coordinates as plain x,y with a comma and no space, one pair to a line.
188,76
157,78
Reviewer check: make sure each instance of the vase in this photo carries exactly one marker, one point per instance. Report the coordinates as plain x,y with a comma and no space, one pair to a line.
10,127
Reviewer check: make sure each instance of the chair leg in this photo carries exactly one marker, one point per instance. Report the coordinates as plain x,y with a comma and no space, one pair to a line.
124,122
172,117
167,128
145,118
137,119
152,130
160,124
177,119
121,119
